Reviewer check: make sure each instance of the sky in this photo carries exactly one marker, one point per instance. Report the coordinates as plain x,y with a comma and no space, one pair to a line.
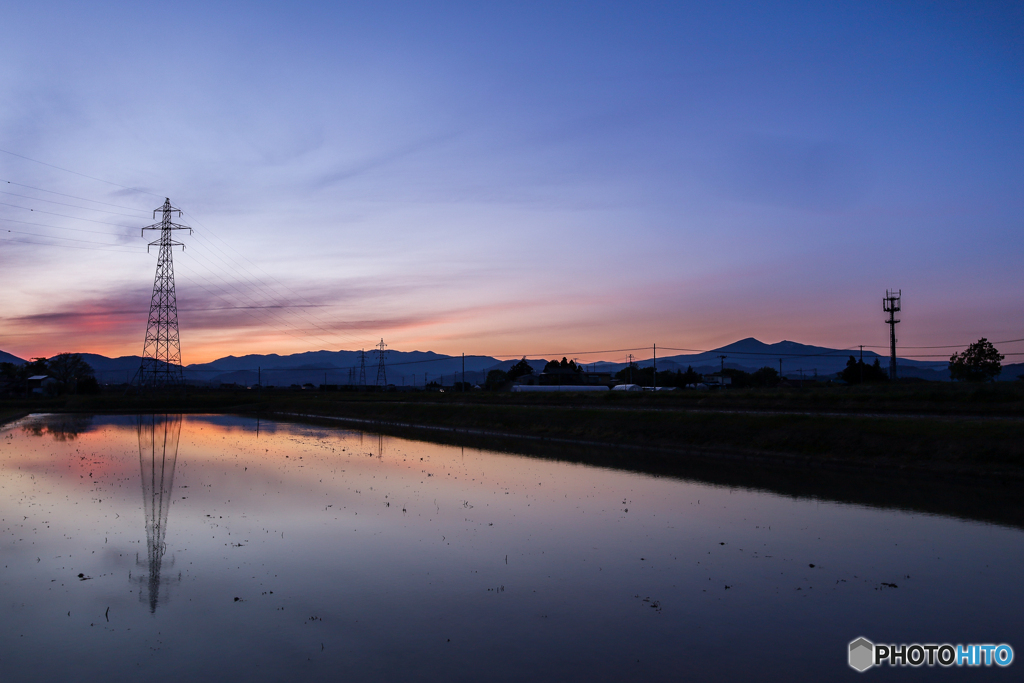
512,178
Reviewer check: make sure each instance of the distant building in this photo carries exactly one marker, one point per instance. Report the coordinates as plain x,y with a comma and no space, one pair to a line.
39,384
568,376
558,387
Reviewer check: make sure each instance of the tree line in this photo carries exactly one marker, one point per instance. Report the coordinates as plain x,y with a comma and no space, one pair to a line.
71,372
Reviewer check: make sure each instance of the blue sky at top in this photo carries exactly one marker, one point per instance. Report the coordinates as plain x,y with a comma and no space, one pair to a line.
508,177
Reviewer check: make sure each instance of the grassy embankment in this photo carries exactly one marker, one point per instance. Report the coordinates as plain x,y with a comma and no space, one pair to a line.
923,428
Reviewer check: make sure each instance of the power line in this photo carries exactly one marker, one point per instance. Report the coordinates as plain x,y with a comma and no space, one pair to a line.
263,318
946,346
258,283
71,196
62,215
272,295
66,246
51,237
73,206
57,227
247,310
123,187
566,353
281,319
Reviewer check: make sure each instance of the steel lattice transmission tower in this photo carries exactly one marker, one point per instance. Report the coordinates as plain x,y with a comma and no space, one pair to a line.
891,305
362,368
382,376
158,453
161,354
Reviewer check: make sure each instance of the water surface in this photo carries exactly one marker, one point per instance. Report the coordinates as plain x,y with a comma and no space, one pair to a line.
219,548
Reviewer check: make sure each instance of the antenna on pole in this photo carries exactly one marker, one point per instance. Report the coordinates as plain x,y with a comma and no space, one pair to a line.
891,305
382,377
161,352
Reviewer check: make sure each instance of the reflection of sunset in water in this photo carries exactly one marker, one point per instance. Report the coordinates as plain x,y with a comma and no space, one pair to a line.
259,550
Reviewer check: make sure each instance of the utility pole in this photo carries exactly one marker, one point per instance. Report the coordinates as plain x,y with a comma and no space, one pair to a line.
655,367
463,371
780,368
861,364
891,305
721,372
382,377
161,352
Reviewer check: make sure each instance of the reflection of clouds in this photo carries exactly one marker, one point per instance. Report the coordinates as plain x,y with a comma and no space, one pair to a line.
792,172
158,454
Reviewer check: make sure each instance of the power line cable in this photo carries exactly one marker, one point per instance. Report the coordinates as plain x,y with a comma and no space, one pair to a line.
73,206
254,316
63,215
277,321
66,170
265,273
58,227
67,246
52,237
250,298
84,199
277,297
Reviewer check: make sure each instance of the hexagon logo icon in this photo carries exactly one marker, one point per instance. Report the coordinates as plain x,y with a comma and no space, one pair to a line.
862,654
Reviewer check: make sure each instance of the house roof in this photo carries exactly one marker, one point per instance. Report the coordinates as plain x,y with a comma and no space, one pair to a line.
35,377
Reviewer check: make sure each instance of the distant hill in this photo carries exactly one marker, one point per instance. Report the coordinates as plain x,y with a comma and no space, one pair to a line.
8,358
750,354
339,367
416,367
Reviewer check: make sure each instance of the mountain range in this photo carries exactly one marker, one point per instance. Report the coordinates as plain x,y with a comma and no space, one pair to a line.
419,367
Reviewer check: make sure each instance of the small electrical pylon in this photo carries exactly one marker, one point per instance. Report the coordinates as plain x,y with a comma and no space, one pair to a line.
382,377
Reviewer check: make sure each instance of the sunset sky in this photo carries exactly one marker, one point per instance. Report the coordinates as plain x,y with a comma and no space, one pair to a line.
512,178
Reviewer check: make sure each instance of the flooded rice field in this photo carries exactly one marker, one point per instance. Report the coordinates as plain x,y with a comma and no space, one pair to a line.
222,548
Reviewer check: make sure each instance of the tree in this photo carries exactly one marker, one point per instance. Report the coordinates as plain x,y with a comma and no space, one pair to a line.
69,369
765,377
88,385
495,379
519,369
564,365
691,376
9,371
979,362
858,371
37,366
